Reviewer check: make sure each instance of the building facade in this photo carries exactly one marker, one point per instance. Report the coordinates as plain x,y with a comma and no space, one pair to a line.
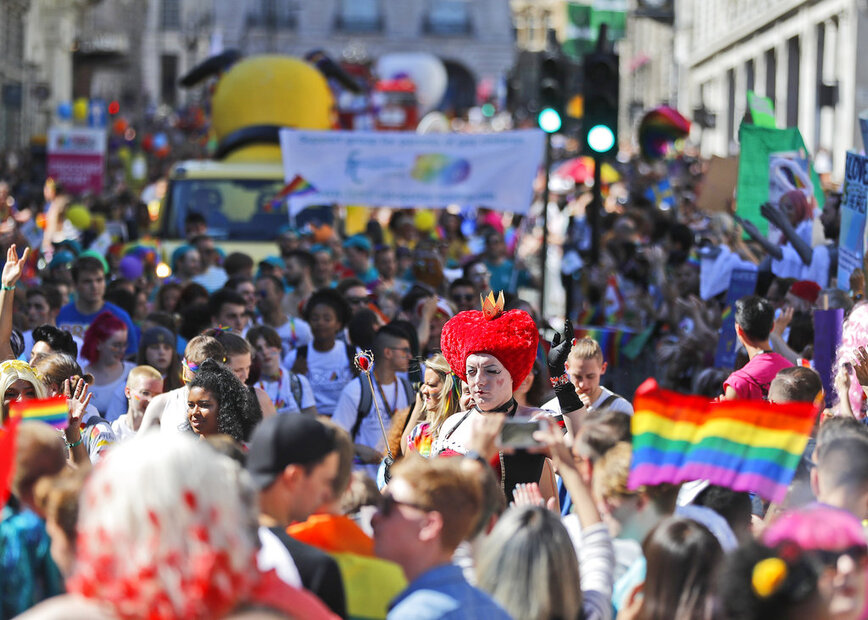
802,54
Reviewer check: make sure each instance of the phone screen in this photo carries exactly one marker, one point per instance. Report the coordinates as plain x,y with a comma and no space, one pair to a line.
518,434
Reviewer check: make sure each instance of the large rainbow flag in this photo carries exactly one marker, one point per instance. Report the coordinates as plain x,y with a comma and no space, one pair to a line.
743,445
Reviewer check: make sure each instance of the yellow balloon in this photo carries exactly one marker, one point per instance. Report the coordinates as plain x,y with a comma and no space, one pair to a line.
79,109
98,224
270,90
425,220
78,216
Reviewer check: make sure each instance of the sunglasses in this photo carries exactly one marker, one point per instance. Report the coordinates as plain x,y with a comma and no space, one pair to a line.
358,300
829,559
388,504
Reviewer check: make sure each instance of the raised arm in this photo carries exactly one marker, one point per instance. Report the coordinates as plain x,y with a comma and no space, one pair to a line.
11,273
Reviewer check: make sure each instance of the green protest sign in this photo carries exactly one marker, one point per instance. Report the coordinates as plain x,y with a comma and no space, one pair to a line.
757,143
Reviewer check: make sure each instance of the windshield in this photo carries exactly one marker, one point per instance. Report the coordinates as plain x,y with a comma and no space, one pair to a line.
246,210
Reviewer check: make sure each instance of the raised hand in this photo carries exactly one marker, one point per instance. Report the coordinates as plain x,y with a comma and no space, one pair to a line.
860,365
560,350
14,266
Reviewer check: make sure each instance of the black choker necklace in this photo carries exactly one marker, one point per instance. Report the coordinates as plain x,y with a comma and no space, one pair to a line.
509,408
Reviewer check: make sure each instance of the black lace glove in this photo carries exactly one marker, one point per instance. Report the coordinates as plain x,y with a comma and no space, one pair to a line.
557,357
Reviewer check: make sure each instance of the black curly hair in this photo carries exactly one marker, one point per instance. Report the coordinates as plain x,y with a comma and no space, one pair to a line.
329,297
235,413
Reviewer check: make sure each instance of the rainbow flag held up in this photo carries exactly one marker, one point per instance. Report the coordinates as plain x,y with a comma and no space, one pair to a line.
297,187
53,411
742,445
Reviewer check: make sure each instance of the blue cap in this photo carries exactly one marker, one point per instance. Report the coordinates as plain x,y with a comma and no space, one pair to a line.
360,242
63,258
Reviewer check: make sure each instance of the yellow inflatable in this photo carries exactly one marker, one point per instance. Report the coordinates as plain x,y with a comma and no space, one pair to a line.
257,96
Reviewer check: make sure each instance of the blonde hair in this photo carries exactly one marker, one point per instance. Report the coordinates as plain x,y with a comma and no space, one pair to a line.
586,349
143,372
612,470
16,370
528,564
450,391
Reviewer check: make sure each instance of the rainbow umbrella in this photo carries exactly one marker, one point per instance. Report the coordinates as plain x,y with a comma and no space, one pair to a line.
659,128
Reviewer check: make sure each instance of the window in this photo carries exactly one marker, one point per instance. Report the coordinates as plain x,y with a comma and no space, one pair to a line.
281,14
170,14
448,18
359,16
793,53
771,74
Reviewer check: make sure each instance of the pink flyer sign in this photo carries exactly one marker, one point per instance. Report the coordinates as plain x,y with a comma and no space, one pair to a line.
76,158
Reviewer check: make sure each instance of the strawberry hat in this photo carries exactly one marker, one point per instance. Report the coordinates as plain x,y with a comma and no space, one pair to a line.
511,337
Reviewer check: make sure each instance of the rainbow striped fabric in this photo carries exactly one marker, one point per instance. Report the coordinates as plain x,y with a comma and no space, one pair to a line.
743,445
53,411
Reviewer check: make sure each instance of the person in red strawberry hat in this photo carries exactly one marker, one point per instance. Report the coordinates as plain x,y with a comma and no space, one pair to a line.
493,351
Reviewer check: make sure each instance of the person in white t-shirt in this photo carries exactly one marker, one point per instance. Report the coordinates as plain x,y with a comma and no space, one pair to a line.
293,332
290,393
143,384
327,362
585,367
391,355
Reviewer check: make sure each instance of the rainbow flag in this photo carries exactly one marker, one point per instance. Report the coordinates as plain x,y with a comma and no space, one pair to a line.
742,445
297,187
53,411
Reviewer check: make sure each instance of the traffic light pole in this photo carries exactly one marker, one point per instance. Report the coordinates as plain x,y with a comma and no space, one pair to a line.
545,238
595,207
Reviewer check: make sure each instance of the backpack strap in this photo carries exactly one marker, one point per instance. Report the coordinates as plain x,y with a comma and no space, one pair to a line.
408,392
366,398
611,398
351,356
299,366
295,388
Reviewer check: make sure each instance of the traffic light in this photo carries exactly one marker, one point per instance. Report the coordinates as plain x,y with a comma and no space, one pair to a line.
551,92
600,123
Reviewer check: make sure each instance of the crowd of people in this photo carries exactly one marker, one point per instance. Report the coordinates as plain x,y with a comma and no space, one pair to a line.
231,451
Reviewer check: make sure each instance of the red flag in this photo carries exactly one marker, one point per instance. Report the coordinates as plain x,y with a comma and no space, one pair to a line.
8,435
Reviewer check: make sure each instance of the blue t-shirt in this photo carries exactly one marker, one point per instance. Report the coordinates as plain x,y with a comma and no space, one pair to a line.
77,323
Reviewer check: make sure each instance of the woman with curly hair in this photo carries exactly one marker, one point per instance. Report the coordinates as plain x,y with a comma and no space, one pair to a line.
218,403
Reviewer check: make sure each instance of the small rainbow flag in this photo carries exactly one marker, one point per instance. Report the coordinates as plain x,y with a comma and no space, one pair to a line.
296,187
53,411
742,445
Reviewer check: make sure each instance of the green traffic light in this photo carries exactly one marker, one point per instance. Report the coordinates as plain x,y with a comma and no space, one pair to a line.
601,138
488,110
549,120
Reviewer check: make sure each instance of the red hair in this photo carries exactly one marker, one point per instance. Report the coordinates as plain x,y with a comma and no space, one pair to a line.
103,327
511,337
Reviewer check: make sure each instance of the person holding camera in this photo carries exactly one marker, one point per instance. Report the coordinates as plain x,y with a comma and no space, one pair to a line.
493,351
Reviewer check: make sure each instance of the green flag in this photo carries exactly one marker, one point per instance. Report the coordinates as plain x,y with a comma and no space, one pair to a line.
757,143
762,110
583,24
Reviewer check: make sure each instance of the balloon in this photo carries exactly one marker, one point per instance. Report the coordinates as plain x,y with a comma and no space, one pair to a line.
162,152
78,216
79,109
120,126
426,71
425,220
160,140
64,110
148,142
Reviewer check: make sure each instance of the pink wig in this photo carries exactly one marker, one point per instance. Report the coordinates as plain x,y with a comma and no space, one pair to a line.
853,335
103,327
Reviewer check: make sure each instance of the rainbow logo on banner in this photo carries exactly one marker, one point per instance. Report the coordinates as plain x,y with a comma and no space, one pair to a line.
53,411
742,445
